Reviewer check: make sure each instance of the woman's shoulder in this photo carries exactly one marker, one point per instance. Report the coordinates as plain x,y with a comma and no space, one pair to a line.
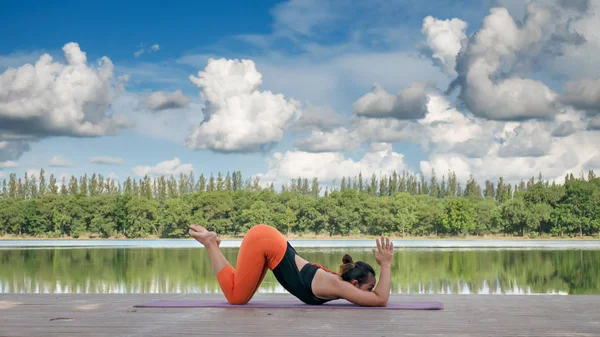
325,283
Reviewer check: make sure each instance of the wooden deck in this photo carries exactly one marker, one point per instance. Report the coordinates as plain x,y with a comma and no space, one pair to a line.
463,315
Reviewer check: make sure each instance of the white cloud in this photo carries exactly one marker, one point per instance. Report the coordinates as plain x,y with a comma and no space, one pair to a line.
442,129
330,141
338,78
113,176
388,130
564,129
320,118
496,48
159,100
454,141
514,150
164,168
487,148
495,86
583,94
377,103
53,99
351,70
238,117
58,161
329,166
494,70
335,75
409,103
439,124
554,37
446,126
142,50
594,123
593,163
489,135
7,164
575,61
470,148
558,161
442,164
172,127
444,41
529,139
12,149
105,160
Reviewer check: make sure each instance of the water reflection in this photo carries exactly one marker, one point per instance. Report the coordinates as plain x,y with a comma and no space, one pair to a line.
164,270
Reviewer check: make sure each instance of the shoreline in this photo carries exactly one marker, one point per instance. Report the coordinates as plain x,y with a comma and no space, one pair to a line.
313,238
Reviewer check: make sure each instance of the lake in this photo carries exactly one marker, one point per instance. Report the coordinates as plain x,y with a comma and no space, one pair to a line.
420,266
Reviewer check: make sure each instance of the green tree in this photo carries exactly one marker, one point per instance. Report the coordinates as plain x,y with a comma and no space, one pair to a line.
174,218
141,217
289,219
487,216
457,217
405,213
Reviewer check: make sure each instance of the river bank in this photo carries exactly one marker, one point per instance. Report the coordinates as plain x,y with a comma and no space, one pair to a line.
487,237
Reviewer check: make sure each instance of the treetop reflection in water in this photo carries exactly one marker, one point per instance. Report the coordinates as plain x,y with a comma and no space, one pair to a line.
167,270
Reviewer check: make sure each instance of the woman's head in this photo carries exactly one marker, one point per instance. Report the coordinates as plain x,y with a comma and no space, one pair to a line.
358,273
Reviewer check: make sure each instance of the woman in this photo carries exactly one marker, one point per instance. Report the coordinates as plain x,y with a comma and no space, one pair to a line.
264,247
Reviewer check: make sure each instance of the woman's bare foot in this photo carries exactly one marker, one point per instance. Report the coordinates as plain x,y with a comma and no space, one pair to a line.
203,236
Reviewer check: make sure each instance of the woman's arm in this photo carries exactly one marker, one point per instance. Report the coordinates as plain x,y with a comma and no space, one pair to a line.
383,286
347,291
378,297
384,256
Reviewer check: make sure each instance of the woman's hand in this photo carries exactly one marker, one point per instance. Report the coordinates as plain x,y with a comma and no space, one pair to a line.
336,287
385,251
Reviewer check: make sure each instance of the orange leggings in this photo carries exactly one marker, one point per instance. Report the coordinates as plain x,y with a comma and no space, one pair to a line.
262,248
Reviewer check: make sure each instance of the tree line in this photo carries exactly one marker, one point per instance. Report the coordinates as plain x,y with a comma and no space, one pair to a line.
403,204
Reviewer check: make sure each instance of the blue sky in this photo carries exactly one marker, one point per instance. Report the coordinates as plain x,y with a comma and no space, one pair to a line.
326,55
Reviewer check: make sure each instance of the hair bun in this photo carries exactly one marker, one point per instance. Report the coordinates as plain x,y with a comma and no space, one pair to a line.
347,259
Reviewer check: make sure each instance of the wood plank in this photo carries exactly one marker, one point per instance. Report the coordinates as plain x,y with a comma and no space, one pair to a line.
463,315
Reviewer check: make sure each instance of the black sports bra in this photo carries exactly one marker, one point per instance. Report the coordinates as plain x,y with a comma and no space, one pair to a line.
297,282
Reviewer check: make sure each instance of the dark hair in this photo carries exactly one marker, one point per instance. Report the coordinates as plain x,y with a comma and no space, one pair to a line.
358,270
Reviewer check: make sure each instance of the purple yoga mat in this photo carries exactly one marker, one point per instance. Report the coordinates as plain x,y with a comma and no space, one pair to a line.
293,304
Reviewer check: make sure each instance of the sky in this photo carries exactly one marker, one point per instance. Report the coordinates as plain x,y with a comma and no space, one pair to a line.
301,88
